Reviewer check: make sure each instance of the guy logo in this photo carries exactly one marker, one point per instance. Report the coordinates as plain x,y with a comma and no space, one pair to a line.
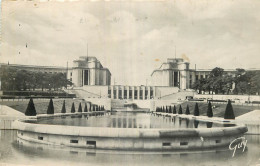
237,144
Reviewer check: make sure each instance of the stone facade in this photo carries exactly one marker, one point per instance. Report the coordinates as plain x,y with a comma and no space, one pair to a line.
89,71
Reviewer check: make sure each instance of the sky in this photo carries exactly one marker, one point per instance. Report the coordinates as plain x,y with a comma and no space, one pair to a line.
132,38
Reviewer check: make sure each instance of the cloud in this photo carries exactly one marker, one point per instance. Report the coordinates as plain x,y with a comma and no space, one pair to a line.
127,37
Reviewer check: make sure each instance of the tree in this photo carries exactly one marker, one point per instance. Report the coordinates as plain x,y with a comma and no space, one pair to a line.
180,110
166,110
196,110
63,110
187,110
86,108
174,110
73,108
80,108
30,110
229,113
209,112
50,109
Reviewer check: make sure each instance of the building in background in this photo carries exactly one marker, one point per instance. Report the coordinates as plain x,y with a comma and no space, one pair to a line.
88,71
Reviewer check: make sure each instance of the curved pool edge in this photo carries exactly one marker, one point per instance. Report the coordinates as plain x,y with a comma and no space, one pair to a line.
127,138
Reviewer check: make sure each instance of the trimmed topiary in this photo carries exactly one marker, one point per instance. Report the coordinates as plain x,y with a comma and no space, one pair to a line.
187,110
163,109
166,109
50,109
63,110
170,109
30,110
180,110
80,108
209,112
196,110
229,113
73,108
90,107
174,110
86,108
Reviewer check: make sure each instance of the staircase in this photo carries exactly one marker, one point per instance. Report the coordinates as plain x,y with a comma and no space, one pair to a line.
176,96
118,104
81,93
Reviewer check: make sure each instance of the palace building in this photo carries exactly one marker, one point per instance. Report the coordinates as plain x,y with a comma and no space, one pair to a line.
89,71
88,75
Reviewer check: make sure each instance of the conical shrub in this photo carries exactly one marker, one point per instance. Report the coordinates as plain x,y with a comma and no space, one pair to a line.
209,112
72,108
50,109
63,109
174,110
163,109
180,110
90,107
170,109
86,108
187,110
229,113
30,110
80,108
196,110
166,110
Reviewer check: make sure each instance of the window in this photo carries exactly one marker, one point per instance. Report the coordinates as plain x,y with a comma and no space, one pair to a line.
183,143
218,141
109,93
166,144
125,94
91,143
74,141
141,94
135,94
40,138
146,94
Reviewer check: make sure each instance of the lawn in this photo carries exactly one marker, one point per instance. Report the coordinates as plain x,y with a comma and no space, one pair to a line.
42,105
218,109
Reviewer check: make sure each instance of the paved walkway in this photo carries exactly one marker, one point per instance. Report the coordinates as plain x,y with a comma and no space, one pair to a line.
7,116
252,117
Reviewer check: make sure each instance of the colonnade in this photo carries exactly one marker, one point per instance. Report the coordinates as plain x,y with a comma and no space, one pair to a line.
131,92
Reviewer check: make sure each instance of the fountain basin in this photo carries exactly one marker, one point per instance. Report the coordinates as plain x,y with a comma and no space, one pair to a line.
128,138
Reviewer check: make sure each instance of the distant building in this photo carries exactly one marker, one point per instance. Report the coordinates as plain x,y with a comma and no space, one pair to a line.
89,71
89,76
176,73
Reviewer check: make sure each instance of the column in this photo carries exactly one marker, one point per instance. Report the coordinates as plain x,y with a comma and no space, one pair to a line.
148,88
133,92
127,90
138,93
154,92
123,92
144,93
117,92
112,92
